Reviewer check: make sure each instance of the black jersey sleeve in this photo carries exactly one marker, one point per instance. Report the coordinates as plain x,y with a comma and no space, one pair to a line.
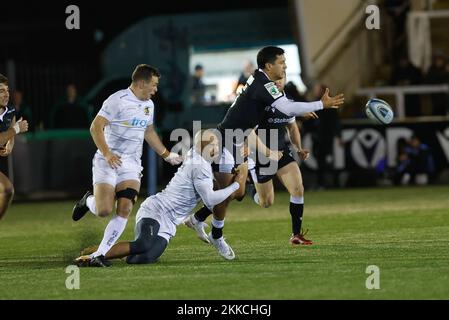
267,92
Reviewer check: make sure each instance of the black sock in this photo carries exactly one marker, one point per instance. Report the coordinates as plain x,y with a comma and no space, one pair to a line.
217,232
296,211
202,214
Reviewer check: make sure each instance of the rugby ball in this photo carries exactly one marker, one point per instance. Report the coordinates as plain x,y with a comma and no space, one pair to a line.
379,111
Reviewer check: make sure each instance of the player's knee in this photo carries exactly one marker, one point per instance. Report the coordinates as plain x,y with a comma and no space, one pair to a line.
140,246
104,212
297,191
128,193
124,212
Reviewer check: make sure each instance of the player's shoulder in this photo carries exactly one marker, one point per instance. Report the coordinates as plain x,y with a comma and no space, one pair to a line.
199,165
10,109
119,95
149,103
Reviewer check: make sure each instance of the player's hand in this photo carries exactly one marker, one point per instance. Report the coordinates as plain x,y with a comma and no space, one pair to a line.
310,116
303,154
244,151
332,102
173,158
275,155
113,160
21,126
239,175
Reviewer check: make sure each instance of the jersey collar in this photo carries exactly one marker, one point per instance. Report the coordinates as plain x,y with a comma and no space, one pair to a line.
266,75
3,114
134,96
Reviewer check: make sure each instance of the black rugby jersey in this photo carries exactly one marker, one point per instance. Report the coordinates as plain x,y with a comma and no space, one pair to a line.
274,119
248,109
6,118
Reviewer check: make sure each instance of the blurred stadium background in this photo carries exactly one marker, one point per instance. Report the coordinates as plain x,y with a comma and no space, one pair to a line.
60,77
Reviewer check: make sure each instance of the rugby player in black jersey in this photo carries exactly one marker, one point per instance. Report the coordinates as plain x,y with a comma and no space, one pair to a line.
272,130
8,129
239,124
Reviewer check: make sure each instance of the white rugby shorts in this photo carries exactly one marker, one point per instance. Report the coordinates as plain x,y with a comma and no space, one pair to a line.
131,169
167,229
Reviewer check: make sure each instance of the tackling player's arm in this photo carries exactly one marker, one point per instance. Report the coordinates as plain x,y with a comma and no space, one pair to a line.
8,135
152,138
97,133
295,138
205,188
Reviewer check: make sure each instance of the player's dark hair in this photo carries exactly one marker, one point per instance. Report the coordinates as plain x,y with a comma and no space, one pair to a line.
268,55
145,72
3,79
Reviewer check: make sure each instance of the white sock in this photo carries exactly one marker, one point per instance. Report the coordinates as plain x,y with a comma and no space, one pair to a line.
194,219
297,200
256,198
113,231
90,202
217,223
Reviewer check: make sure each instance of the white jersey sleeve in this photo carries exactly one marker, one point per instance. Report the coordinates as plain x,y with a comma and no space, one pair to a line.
204,185
294,109
109,109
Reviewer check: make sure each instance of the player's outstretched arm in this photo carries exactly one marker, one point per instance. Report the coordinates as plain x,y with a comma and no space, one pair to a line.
18,127
295,109
332,102
152,138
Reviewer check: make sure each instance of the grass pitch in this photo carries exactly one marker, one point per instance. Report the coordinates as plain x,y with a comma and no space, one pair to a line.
403,231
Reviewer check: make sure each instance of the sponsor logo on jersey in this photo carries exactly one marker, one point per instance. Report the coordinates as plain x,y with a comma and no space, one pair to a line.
139,123
278,120
273,90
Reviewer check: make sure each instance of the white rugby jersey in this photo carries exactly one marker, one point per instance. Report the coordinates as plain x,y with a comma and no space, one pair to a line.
128,119
192,182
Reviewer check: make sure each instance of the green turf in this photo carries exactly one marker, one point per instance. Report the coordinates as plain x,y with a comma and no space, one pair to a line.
405,232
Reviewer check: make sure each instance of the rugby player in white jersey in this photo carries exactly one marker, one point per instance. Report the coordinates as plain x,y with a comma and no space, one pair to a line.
160,214
118,130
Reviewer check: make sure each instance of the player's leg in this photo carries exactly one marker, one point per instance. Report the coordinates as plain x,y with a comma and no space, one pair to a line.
218,219
158,246
240,193
290,176
101,203
126,194
264,190
264,194
149,245
6,194
145,231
